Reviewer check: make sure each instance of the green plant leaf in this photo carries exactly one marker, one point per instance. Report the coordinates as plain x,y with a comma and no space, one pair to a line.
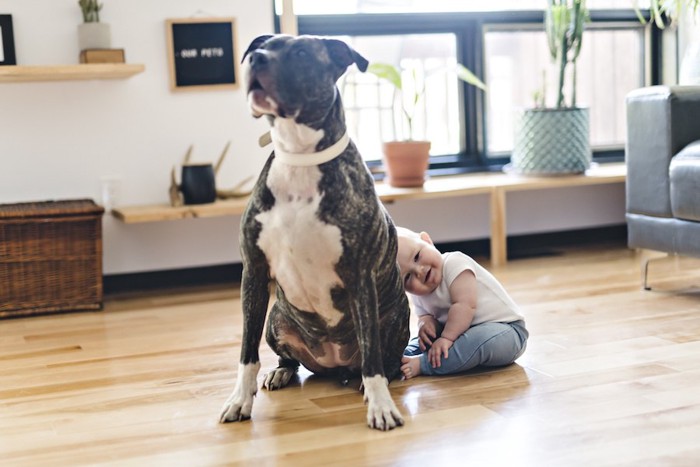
466,75
387,72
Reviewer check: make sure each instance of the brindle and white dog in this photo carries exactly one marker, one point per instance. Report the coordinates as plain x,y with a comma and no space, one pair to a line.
316,227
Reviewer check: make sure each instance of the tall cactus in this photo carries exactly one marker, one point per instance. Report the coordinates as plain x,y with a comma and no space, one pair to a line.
564,23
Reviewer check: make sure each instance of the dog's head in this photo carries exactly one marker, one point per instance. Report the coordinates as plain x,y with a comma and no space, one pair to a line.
294,77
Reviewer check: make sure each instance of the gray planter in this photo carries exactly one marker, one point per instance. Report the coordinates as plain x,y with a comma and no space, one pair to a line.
94,36
551,142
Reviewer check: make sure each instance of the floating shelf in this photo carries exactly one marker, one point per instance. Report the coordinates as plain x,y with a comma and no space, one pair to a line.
86,71
494,186
437,187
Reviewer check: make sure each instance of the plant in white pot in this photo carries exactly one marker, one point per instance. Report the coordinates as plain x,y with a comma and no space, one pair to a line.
555,140
406,161
93,34
685,12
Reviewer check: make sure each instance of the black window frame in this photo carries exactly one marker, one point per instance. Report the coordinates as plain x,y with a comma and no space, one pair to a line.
468,28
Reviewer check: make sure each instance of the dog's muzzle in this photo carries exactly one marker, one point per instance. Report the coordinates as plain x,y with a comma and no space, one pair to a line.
263,97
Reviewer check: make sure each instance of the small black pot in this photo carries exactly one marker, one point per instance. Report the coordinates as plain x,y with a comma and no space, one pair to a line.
198,184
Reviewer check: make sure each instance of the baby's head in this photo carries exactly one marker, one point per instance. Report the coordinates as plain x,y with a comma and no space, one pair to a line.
419,261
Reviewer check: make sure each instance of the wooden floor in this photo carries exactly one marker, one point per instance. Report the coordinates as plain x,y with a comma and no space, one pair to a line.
611,376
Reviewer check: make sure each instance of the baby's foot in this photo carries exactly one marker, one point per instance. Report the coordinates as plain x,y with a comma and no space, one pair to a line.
410,366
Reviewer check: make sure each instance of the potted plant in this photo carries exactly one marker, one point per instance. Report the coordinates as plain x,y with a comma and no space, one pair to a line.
674,9
93,34
407,160
555,140
677,10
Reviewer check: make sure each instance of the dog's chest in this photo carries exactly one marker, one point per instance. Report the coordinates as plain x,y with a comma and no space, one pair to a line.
302,250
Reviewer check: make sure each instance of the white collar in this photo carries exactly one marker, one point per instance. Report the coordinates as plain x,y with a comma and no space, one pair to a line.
312,158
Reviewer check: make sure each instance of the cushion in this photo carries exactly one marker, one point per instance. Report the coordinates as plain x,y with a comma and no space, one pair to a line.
685,183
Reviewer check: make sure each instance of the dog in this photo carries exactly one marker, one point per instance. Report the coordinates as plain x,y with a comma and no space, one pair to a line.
315,226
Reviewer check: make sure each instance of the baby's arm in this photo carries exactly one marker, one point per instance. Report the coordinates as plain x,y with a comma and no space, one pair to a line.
459,316
461,313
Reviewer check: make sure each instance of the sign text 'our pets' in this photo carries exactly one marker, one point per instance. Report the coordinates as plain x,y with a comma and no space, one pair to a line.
202,53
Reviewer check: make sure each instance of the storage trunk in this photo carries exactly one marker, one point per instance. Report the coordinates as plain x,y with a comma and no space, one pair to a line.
50,257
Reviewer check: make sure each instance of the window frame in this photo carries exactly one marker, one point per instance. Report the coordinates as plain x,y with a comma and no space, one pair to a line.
469,28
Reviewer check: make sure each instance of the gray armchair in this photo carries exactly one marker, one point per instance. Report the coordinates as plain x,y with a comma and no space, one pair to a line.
663,170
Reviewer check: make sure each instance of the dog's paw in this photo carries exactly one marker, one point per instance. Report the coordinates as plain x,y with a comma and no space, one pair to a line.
278,378
384,418
236,409
382,413
239,404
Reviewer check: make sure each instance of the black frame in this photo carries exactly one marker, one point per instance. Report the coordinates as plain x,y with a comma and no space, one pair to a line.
468,28
8,41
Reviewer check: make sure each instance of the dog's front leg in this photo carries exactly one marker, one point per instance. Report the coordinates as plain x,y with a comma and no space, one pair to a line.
382,413
255,295
239,404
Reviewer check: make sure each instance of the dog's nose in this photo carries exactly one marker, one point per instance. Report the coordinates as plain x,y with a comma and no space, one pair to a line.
259,58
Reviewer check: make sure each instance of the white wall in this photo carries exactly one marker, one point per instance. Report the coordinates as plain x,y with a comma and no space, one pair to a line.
59,139
527,212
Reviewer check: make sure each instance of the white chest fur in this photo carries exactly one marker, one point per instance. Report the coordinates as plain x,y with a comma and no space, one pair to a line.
301,249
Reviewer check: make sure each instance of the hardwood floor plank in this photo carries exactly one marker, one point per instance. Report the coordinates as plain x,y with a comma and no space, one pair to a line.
610,377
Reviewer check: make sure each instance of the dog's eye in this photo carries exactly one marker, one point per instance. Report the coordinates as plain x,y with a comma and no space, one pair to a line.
415,258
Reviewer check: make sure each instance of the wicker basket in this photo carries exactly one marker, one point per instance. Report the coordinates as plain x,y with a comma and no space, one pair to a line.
50,257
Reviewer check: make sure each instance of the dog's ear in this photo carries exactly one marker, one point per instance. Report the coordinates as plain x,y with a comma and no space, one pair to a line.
343,55
257,42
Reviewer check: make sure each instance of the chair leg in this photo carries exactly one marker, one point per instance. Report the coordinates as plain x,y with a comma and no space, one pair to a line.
645,269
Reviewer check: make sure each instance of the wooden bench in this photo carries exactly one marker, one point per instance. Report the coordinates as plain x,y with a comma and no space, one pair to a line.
496,185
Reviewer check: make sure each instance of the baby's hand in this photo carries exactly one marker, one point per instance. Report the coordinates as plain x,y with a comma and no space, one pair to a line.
439,348
427,332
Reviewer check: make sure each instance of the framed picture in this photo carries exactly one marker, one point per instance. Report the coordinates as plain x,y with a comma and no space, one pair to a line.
7,41
202,53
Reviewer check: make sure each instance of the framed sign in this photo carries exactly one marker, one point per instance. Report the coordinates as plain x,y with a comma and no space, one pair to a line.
7,41
202,53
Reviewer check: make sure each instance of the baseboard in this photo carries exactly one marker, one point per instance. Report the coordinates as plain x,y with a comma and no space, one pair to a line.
542,244
154,281
521,246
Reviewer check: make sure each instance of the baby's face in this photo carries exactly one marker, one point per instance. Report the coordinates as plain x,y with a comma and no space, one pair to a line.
420,264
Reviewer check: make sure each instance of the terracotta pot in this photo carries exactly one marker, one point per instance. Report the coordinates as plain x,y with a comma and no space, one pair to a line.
406,162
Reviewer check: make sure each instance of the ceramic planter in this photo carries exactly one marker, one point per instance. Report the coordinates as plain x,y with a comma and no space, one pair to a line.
406,162
551,142
94,36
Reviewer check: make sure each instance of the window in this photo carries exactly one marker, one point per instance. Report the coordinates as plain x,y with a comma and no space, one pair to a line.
518,64
427,61
505,47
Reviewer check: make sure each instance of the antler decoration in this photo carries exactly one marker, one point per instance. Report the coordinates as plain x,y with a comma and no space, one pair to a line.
221,158
174,190
236,191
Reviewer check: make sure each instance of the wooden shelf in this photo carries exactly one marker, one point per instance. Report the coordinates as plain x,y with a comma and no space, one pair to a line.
438,187
85,71
494,185
165,212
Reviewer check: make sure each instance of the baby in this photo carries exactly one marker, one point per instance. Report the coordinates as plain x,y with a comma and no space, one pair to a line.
465,317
